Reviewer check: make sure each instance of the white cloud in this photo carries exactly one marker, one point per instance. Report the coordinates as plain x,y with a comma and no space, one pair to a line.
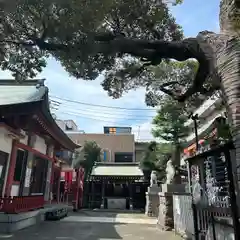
142,132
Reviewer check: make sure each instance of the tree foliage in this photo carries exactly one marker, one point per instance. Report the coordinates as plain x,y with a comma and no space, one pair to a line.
169,123
109,36
73,32
86,158
155,158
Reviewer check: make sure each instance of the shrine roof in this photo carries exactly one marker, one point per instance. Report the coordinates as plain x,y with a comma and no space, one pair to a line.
12,92
117,169
31,97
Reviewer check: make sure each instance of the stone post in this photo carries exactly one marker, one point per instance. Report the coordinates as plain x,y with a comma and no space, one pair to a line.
152,201
103,194
165,209
130,185
165,215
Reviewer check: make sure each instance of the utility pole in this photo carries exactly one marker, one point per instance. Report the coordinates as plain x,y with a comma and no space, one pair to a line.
138,134
195,121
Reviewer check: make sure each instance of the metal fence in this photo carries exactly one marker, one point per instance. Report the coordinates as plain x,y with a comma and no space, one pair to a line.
213,193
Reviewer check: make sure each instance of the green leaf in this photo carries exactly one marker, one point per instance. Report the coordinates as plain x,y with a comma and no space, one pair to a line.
73,24
87,157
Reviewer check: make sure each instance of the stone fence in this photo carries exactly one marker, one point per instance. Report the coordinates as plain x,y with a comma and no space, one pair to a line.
183,215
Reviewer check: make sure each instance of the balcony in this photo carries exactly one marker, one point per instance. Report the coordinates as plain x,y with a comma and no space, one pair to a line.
204,128
205,109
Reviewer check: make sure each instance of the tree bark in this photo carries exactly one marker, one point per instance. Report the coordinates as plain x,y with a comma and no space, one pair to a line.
225,63
176,163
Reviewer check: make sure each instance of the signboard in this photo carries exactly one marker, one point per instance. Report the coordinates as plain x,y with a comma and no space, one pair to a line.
28,177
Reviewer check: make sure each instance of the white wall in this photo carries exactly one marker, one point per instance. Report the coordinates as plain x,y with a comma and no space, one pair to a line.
61,124
71,124
25,139
40,145
5,141
51,151
14,190
5,146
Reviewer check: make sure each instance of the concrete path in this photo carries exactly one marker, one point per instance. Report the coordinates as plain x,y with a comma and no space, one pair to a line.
96,226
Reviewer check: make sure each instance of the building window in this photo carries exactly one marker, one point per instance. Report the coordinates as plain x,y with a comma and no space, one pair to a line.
123,157
19,165
68,128
3,163
112,130
104,155
39,175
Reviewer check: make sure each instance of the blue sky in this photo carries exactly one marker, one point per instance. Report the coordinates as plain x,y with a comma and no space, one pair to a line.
192,15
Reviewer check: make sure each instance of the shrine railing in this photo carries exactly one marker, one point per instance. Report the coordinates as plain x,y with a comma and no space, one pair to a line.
13,205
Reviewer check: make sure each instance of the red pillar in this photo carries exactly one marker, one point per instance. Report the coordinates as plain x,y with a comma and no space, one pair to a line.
51,182
11,169
59,181
81,186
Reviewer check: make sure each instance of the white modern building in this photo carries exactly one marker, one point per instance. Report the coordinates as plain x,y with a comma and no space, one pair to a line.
207,113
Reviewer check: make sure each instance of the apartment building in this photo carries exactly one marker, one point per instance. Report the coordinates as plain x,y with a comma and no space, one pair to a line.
67,125
208,113
117,143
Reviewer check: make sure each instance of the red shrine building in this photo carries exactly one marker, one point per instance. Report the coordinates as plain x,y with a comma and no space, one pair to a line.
32,146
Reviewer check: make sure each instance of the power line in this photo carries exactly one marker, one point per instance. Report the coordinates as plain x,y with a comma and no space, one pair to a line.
97,119
105,116
103,106
102,111
85,117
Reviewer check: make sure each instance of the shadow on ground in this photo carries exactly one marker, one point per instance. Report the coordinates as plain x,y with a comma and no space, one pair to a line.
68,231
109,214
73,229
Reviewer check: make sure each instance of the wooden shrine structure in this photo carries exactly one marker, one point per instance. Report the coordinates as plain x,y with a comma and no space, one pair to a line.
117,186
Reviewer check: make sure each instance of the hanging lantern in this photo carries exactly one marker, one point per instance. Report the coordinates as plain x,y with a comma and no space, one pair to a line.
185,151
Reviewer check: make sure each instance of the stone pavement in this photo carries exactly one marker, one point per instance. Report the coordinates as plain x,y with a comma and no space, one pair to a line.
89,225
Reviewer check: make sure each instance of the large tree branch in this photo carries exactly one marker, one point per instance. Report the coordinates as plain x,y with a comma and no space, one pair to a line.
178,50
169,92
151,51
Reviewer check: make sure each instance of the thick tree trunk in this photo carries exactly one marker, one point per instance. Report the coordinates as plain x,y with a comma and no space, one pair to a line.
226,58
222,51
176,160
228,62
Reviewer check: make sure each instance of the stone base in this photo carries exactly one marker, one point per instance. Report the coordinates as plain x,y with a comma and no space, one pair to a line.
154,189
152,202
10,223
56,214
170,188
165,214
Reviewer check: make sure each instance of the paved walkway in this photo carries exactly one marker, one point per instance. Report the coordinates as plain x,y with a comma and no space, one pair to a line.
96,226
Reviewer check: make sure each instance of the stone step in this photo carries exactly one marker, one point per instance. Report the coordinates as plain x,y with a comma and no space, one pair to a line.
56,213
